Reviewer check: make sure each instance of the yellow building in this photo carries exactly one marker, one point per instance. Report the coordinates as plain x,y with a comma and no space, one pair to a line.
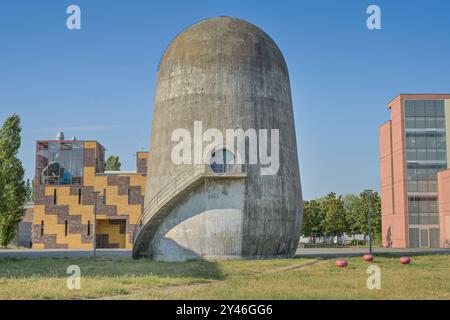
70,181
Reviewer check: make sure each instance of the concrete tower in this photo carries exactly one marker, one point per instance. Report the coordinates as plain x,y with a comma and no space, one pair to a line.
227,74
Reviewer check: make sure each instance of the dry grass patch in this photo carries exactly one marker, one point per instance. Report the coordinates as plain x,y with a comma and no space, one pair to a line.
428,277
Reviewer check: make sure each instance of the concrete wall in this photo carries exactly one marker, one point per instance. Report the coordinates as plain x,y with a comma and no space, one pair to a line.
386,183
229,74
394,203
208,223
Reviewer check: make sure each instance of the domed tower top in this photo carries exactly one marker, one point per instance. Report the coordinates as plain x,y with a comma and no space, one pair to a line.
221,40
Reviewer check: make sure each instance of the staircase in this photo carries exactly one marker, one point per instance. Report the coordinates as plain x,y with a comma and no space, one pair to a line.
161,204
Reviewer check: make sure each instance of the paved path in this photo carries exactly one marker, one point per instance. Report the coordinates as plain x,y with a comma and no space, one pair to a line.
124,253
62,253
349,252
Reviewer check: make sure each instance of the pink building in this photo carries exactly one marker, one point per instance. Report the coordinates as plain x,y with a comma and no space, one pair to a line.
415,179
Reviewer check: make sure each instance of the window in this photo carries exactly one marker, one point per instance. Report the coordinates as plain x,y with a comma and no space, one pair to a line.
440,111
222,161
89,228
410,122
440,123
423,210
409,108
104,196
65,228
420,122
55,199
60,163
426,152
414,238
79,196
42,228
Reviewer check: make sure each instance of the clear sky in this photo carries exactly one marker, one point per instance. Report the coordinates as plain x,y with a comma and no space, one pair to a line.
98,82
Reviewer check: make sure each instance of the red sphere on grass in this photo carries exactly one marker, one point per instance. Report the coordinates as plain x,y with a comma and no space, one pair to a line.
341,263
368,257
405,260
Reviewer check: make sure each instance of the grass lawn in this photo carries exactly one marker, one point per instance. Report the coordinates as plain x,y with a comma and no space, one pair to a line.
428,277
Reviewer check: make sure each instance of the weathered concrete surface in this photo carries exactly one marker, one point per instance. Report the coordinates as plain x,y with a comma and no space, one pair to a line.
229,74
208,222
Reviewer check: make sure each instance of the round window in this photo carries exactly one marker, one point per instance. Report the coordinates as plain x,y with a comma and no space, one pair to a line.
222,161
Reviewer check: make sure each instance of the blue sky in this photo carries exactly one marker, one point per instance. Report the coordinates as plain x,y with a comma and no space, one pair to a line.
98,82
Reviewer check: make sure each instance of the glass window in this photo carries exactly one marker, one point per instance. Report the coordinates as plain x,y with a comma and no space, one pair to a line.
413,219
410,122
441,155
65,164
419,108
432,186
431,141
421,154
440,111
424,237
422,187
433,206
41,160
422,173
409,108
433,219
421,141
222,161
440,142
411,154
440,123
423,205
412,186
430,122
431,154
413,205
410,141
414,238
430,110
420,122
434,238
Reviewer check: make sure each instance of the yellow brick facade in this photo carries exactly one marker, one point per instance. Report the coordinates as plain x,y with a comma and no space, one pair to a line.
67,220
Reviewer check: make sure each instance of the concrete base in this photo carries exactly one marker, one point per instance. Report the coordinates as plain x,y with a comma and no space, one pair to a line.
208,222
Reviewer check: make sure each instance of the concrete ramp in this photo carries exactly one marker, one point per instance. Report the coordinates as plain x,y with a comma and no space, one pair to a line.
192,193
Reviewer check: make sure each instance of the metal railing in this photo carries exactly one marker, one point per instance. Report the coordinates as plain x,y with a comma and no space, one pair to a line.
182,180
179,183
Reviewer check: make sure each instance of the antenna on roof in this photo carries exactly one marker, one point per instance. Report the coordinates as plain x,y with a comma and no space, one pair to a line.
60,135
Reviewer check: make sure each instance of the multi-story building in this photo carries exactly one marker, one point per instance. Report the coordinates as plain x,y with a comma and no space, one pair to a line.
415,182
70,183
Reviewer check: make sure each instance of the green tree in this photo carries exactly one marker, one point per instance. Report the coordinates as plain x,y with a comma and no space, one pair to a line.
12,186
113,163
312,219
334,222
29,189
368,200
351,202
